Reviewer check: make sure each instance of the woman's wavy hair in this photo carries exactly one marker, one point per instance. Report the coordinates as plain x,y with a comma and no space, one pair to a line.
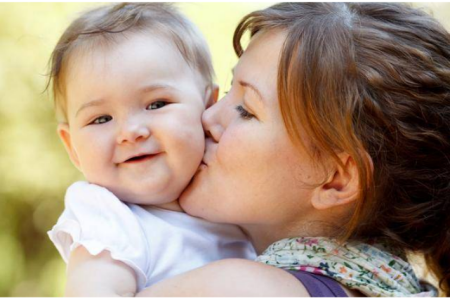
373,78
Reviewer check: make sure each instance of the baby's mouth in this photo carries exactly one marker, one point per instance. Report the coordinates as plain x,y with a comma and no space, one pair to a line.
140,158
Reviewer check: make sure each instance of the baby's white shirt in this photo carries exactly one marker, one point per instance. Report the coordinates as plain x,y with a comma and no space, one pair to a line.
156,243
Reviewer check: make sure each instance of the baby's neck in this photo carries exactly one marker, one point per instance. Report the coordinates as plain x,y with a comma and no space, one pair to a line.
174,205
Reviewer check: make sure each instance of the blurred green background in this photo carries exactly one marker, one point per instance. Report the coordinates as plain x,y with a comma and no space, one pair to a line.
34,168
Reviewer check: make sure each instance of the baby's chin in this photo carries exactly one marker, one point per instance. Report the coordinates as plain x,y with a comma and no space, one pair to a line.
163,203
149,192
145,197
148,198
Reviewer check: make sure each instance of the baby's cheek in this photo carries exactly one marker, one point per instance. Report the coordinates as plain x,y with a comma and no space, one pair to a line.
184,141
189,129
187,144
97,148
193,141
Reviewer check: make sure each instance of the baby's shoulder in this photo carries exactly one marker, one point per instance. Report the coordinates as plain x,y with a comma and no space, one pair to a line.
87,196
96,209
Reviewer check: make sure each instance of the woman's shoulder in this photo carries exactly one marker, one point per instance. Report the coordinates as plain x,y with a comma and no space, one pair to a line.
233,277
229,278
270,281
255,278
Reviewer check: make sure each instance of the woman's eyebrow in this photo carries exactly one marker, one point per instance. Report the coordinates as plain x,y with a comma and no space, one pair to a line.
250,86
253,88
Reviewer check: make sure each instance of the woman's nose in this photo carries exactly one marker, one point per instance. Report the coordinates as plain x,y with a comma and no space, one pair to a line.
213,120
132,132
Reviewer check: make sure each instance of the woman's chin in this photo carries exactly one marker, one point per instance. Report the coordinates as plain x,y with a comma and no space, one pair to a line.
189,198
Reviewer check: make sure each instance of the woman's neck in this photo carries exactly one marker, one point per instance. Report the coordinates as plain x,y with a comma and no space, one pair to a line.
263,236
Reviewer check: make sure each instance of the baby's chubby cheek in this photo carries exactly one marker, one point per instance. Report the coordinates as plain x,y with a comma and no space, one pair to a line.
89,147
187,138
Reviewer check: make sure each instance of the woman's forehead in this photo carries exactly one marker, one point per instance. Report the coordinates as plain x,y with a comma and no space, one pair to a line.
266,45
259,63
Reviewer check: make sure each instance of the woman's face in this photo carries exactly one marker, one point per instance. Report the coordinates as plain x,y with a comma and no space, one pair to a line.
251,172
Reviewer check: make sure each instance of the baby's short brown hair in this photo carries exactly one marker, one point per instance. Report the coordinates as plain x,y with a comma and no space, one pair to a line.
108,24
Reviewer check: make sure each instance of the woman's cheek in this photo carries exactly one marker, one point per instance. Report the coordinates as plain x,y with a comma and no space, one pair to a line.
238,149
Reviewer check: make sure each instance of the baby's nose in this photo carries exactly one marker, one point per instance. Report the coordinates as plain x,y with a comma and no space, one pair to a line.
133,132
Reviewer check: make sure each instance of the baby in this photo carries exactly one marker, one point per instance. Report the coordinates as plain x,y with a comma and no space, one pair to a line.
131,82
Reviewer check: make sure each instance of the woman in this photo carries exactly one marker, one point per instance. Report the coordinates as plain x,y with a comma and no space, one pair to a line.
336,127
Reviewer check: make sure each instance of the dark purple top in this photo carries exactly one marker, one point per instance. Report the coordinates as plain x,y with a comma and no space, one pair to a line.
318,285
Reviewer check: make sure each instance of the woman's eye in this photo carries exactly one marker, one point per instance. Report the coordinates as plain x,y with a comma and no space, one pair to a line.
102,119
157,105
244,113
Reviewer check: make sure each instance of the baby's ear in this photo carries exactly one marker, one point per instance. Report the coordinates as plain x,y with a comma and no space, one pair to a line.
64,135
212,95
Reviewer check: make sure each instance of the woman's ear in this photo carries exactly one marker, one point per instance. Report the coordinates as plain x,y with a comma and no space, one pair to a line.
211,95
341,186
64,135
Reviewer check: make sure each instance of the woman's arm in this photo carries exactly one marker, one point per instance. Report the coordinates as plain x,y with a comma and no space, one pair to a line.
229,278
100,275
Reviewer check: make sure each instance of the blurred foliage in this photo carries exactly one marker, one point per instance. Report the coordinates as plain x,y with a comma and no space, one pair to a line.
34,167
33,163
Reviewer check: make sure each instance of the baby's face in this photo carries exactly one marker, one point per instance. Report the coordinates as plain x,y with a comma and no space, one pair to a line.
134,113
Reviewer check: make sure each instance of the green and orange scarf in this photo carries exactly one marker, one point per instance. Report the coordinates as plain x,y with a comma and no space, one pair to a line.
369,268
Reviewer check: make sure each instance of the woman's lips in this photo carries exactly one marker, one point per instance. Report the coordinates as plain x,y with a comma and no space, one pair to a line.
201,167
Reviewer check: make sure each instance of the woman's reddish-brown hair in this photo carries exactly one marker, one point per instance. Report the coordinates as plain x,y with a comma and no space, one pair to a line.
373,80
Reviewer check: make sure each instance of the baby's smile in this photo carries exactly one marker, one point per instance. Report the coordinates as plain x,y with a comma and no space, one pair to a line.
143,140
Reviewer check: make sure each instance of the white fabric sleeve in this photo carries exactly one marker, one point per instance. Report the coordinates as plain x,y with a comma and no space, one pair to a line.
96,219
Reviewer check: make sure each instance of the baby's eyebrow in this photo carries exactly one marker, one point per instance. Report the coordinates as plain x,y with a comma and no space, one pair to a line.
90,104
145,89
152,87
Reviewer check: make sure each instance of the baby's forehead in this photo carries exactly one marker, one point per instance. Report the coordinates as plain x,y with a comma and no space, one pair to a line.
151,50
105,26
143,71
135,59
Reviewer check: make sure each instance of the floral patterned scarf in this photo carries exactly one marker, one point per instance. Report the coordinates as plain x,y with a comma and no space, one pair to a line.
371,269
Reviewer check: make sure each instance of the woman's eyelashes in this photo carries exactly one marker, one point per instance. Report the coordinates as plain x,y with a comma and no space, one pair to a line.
244,114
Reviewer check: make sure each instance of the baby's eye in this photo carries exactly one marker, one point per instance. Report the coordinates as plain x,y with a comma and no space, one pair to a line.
157,105
102,119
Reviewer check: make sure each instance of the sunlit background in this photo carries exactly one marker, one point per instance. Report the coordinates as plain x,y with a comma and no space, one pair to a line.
34,168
